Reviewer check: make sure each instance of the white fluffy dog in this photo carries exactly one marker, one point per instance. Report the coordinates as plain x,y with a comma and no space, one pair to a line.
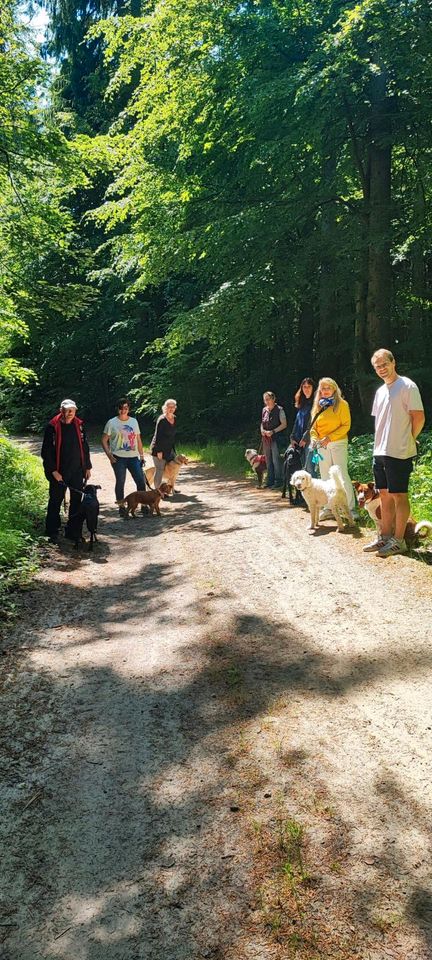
319,493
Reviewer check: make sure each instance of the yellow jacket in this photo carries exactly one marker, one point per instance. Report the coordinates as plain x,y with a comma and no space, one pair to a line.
333,424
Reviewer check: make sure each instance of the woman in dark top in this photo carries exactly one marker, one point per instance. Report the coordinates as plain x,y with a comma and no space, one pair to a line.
162,446
303,401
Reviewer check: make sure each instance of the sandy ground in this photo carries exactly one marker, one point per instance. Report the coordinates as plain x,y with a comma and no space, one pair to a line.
217,738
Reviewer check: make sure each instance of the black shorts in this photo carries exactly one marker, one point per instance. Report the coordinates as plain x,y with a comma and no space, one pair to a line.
392,474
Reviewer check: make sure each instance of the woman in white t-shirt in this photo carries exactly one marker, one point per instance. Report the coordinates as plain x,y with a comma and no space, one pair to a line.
122,443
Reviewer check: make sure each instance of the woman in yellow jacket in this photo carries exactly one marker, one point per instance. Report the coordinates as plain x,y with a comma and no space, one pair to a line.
330,431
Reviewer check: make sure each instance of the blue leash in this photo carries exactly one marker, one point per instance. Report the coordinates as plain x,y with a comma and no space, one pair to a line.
316,456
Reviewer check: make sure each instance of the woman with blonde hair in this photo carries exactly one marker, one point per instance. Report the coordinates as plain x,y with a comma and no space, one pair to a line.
330,435
162,446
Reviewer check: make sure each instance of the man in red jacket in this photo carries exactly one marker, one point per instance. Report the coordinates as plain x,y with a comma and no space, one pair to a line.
66,459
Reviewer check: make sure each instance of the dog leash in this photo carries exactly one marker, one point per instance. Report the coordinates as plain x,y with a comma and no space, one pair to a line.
316,456
74,489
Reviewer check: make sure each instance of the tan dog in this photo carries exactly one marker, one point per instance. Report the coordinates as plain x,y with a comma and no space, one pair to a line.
370,500
171,469
151,498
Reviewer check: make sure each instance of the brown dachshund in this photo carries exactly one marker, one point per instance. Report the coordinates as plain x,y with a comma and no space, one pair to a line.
149,498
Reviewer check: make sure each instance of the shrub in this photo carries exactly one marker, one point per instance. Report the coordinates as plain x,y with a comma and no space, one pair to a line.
23,494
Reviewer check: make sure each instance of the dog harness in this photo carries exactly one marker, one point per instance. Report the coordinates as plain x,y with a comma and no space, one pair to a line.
258,460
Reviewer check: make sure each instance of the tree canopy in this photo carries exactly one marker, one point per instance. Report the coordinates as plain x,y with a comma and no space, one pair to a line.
215,199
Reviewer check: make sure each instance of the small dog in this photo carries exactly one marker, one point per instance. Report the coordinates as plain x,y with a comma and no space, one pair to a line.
89,511
166,489
151,498
318,493
292,463
171,469
369,499
258,463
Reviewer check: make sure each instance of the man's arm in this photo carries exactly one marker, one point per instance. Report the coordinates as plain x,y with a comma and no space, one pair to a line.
48,453
417,422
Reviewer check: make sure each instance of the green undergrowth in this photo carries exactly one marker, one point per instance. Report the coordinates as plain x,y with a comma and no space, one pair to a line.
22,502
228,458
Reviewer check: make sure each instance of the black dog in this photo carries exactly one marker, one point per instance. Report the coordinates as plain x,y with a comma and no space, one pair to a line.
88,511
292,462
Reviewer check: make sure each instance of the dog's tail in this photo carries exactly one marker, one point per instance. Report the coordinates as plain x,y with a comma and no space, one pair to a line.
121,503
335,473
423,529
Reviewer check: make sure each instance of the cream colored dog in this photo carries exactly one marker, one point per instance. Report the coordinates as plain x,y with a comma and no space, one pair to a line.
319,493
171,469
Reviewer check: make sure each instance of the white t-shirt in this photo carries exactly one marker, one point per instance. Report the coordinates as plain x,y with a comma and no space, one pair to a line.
393,428
123,436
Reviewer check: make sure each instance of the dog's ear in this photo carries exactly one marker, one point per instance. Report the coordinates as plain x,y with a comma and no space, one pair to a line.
371,485
356,484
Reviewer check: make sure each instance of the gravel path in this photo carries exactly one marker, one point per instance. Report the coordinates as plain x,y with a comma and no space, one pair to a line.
217,738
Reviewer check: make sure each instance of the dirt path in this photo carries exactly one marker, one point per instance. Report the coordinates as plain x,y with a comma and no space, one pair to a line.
217,740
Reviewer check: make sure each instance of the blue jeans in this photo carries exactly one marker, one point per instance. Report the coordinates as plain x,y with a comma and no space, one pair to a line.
273,461
133,464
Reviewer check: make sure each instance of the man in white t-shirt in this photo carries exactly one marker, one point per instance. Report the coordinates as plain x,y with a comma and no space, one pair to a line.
122,443
399,418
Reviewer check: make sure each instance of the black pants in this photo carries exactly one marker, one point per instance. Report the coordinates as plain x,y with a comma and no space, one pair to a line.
56,497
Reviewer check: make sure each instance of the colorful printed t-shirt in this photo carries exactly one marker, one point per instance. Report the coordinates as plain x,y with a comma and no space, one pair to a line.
123,436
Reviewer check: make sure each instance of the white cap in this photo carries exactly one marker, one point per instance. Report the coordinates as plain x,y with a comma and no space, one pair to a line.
68,404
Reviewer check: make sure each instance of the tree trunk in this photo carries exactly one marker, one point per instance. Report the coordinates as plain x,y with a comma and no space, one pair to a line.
362,354
379,267
419,315
305,350
328,271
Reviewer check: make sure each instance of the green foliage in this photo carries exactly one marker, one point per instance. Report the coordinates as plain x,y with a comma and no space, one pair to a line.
360,468
187,207
228,194
360,452
421,481
38,169
23,494
228,458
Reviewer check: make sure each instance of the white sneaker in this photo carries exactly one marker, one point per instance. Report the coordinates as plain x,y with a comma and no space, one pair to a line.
376,544
392,547
326,514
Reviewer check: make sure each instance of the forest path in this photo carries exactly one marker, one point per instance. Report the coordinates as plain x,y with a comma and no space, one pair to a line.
217,737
